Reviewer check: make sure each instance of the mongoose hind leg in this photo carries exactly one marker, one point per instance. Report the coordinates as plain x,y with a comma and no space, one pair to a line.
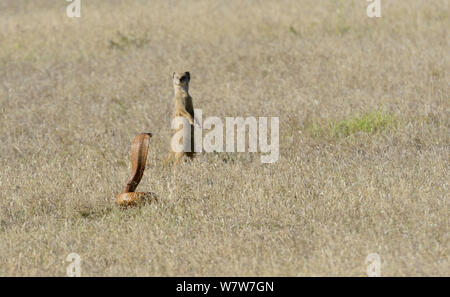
173,159
178,157
169,159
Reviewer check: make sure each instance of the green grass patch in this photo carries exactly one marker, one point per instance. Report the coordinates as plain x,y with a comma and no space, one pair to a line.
370,123
123,42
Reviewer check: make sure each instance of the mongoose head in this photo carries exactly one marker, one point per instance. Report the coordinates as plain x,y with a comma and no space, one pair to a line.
181,79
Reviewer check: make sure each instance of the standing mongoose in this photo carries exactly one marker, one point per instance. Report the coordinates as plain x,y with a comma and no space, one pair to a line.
183,108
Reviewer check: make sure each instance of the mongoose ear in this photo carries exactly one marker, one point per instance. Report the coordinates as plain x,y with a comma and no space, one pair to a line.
173,75
188,75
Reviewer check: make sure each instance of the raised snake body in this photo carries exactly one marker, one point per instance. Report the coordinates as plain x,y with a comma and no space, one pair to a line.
139,150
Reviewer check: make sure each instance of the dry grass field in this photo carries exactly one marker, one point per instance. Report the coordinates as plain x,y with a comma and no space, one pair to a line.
364,164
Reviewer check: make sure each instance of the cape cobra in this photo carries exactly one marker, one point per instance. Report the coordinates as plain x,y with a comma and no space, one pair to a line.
139,150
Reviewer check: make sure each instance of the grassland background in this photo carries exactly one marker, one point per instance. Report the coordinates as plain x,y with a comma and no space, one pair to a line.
74,92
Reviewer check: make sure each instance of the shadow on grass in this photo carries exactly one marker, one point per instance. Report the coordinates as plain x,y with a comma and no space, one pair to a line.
93,213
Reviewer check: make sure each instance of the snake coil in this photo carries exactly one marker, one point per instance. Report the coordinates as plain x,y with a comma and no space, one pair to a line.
138,152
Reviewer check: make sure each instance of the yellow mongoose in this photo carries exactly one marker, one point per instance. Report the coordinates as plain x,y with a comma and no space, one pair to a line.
183,108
